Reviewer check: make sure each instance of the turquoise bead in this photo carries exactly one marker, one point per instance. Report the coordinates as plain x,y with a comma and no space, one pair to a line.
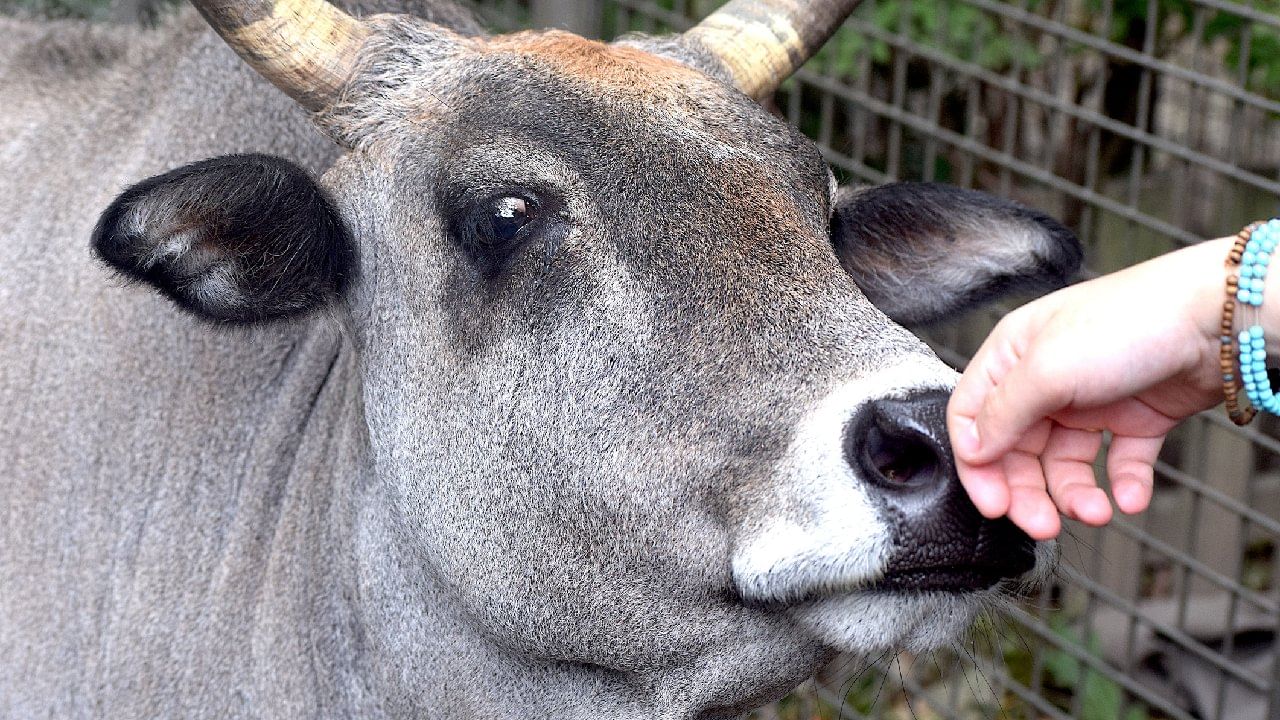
1250,344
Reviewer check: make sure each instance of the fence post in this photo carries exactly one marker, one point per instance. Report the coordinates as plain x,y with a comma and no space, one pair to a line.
576,16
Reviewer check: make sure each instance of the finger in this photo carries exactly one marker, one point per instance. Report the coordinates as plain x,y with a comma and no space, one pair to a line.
1131,467
1028,394
1030,506
987,487
985,370
1068,470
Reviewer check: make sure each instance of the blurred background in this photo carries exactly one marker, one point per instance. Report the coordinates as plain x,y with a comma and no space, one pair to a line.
1145,125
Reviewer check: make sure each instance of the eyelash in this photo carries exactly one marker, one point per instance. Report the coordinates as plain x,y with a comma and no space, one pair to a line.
475,229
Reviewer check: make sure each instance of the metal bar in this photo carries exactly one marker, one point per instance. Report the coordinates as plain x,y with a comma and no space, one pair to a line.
1050,101
652,10
576,16
1174,633
975,148
1217,496
1245,12
1085,658
1105,46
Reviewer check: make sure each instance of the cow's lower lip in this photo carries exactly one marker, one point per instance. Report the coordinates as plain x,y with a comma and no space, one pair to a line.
956,579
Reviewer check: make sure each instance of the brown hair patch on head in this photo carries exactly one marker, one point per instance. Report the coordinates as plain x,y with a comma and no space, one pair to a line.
619,69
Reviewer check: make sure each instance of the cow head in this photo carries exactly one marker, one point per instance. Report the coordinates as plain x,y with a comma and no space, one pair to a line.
637,413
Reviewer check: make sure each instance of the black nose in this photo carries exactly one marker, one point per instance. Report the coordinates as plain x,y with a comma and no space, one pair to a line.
900,448
901,445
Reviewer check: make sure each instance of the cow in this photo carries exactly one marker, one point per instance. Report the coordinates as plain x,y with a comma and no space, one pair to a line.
468,376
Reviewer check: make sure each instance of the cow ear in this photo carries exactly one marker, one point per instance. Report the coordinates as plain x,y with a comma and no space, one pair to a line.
240,238
923,252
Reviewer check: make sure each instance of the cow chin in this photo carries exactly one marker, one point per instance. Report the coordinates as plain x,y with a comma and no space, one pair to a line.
876,620
873,622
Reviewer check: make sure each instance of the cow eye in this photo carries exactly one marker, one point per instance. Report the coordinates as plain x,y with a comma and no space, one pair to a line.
493,230
507,216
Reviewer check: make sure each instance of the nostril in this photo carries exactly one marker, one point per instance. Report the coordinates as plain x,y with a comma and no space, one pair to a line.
899,459
900,444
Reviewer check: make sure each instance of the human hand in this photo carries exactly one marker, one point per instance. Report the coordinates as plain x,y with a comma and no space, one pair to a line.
1132,353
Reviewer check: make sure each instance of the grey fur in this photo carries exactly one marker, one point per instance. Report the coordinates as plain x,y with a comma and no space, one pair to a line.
445,496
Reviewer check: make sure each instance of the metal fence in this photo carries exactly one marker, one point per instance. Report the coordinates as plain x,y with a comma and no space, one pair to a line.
1145,125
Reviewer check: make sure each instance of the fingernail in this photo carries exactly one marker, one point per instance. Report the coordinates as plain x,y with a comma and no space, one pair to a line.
967,440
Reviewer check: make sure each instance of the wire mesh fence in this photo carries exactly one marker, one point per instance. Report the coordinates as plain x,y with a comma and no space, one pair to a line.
1144,125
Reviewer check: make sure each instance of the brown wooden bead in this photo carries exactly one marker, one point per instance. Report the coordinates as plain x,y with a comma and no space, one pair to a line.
1227,361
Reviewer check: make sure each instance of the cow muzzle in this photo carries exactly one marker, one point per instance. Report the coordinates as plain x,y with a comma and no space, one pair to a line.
866,500
900,448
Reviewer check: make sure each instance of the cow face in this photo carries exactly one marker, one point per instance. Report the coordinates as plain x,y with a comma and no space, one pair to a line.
631,404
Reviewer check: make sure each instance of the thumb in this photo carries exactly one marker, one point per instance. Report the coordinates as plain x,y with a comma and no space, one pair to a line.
989,408
1022,398
1006,388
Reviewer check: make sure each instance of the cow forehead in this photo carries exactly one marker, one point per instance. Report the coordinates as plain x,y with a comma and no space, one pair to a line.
609,68
621,106
658,149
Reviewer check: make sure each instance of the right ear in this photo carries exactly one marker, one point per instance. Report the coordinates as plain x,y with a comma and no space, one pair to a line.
923,252
238,238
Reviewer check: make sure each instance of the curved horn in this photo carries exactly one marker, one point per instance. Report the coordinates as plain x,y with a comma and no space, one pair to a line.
761,42
307,48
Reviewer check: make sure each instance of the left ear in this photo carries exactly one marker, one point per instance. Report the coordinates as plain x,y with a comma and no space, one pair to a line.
923,251
238,238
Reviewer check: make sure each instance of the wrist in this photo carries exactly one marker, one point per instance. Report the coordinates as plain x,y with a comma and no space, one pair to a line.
1203,266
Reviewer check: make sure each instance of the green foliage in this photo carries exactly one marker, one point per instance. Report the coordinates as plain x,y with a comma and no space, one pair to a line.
1263,60
951,26
1100,697
1261,52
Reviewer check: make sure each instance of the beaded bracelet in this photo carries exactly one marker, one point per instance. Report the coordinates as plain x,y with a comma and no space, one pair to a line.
1251,342
1231,383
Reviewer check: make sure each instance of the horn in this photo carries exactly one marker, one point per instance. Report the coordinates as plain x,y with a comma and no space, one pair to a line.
761,42
307,48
